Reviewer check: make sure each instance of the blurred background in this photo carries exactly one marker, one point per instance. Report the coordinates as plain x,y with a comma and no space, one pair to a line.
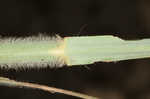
128,19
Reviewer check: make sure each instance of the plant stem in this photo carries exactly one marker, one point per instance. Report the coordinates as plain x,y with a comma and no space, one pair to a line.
12,83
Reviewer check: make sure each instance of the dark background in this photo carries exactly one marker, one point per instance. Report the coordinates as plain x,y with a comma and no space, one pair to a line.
128,19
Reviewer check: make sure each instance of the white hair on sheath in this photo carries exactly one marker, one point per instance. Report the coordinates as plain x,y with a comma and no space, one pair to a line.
32,65
54,62
39,38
